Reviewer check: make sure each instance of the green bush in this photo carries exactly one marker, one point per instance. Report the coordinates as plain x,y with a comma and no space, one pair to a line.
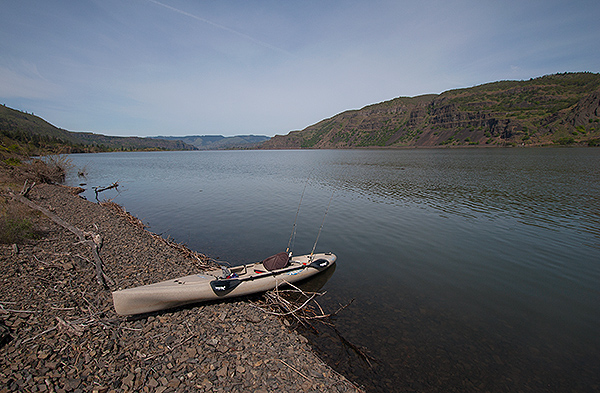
15,230
594,142
566,140
13,161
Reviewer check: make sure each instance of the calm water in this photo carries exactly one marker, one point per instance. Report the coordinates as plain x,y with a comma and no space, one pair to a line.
471,270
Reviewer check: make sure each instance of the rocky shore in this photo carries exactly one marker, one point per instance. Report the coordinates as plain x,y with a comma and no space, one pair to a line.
63,334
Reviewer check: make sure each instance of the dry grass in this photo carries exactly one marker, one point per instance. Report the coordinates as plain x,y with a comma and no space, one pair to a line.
18,223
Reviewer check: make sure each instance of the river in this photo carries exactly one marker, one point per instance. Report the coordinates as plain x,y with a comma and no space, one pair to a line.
471,269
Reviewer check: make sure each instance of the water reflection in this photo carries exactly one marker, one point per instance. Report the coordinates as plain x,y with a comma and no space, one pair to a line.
318,281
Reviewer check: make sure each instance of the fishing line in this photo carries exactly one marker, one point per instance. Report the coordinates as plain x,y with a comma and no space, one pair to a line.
293,234
325,215
322,223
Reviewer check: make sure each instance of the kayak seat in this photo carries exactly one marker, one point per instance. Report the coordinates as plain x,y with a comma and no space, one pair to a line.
277,261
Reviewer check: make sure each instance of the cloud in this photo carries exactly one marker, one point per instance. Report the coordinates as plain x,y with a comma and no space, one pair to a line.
224,28
26,83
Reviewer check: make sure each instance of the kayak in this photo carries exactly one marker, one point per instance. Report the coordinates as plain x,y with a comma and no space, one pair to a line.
258,277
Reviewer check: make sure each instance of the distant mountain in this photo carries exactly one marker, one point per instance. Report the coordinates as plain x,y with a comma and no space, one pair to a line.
36,135
219,142
561,109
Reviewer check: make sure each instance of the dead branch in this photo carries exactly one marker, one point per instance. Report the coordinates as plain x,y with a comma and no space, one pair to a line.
7,310
94,241
26,188
78,232
98,190
40,334
309,379
282,303
362,354
303,307
291,311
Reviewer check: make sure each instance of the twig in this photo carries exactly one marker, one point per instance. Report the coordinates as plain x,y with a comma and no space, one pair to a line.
304,314
70,327
292,311
309,379
367,358
38,335
169,349
7,310
45,263
26,188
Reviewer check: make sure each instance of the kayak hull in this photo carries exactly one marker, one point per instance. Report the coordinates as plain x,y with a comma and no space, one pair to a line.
245,280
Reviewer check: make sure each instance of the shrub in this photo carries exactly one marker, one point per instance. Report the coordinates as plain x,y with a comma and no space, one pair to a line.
15,230
566,140
12,161
594,142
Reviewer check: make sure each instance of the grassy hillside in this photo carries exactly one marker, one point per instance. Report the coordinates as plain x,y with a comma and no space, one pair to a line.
27,134
561,109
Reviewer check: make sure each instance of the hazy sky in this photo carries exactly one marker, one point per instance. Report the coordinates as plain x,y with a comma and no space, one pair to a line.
183,67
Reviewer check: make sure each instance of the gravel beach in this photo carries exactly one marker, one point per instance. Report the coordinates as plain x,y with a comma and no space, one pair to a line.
63,335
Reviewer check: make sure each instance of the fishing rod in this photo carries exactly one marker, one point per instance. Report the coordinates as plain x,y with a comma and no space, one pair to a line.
321,228
293,234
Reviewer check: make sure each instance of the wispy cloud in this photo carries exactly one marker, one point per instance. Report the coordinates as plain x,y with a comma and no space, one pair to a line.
219,26
25,83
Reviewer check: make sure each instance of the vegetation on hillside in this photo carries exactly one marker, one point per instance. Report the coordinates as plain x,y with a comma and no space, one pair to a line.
29,135
219,142
560,109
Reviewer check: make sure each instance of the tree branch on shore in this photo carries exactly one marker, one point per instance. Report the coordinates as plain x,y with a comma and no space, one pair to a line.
91,239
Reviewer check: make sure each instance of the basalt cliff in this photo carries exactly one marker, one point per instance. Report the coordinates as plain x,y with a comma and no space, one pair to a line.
560,109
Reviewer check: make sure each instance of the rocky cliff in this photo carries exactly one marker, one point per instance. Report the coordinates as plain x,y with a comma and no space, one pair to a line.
553,109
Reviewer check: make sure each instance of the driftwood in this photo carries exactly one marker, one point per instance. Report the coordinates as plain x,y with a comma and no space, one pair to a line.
98,190
91,239
304,308
26,188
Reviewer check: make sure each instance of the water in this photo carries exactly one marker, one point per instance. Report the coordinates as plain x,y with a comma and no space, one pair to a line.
471,269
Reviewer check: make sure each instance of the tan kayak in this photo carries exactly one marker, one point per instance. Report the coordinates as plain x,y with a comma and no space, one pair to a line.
238,281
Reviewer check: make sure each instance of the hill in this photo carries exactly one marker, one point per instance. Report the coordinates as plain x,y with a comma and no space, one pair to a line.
558,109
29,134
219,142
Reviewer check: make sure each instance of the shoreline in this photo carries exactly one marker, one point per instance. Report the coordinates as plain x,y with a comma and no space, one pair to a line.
66,335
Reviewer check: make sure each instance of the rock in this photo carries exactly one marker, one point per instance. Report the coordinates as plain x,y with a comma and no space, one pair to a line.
174,383
222,372
129,379
152,383
4,334
207,384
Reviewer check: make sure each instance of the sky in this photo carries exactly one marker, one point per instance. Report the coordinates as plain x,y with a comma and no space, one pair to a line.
266,67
